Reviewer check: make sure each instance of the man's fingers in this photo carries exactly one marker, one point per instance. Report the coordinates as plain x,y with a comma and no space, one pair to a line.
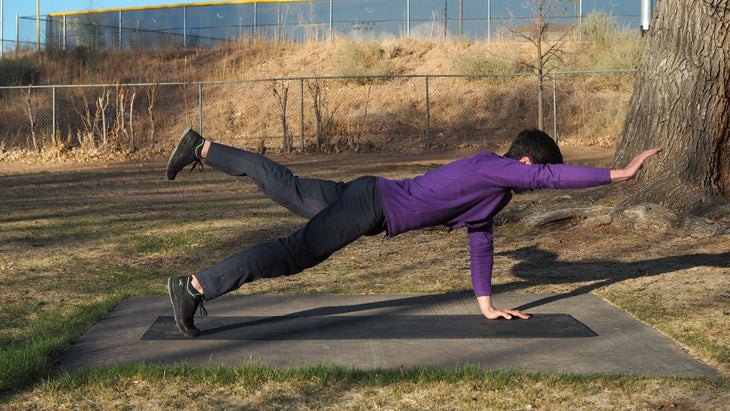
648,153
519,314
638,162
508,314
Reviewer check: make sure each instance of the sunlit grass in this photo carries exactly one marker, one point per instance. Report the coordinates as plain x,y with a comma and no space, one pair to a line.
253,386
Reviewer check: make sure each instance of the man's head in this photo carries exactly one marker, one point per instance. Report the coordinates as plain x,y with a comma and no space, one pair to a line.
535,145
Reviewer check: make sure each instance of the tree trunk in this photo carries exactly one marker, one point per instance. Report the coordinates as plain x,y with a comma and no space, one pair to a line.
681,102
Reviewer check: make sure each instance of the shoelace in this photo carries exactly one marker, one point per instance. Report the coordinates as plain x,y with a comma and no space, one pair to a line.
199,298
196,163
203,311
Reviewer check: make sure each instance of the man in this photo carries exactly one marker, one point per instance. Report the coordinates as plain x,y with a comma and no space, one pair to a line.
465,193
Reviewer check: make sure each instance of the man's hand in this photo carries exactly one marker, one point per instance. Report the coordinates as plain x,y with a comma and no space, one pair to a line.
485,305
633,168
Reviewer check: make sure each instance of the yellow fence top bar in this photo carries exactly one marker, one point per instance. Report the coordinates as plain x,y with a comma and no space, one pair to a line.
172,6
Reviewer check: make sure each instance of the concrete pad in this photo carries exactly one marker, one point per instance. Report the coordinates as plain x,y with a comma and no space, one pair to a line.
568,333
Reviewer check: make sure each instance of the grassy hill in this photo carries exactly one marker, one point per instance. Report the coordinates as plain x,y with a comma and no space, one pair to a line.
389,111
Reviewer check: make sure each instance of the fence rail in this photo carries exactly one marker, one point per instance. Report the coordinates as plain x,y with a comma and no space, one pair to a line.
395,113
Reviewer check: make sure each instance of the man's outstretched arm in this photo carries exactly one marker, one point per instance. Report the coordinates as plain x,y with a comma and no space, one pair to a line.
481,249
617,175
630,171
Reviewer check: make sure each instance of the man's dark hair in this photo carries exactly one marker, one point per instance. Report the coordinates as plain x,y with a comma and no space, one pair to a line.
537,145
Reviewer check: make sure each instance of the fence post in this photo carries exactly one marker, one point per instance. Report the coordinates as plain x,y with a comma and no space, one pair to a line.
53,110
555,108
119,36
428,117
331,32
301,111
185,26
200,107
408,18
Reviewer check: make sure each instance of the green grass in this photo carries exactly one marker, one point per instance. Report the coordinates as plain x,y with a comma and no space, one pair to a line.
25,360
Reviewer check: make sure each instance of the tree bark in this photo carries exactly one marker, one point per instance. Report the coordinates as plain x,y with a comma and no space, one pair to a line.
681,102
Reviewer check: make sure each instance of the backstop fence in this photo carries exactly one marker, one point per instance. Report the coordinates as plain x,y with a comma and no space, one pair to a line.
396,113
208,23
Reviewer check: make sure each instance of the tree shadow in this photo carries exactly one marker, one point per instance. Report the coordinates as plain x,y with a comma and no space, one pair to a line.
542,267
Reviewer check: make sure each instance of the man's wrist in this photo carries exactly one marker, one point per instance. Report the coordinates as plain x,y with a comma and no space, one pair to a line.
617,175
485,303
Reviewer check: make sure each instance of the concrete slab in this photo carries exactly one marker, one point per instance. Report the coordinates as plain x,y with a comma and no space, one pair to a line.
568,333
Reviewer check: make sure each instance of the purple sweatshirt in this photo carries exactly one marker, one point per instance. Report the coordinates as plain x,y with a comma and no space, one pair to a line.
469,193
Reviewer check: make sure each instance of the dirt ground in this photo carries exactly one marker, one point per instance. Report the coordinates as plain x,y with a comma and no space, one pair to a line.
677,281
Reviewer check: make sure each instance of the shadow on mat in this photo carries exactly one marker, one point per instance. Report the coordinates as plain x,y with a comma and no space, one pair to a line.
407,303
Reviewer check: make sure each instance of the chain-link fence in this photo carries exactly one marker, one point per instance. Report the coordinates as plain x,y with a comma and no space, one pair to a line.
204,24
398,113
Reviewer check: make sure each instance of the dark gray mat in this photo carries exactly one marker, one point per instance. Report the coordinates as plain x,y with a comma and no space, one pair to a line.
405,327
444,330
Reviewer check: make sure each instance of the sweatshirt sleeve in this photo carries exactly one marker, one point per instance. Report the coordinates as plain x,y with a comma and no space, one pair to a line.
505,172
481,250
564,176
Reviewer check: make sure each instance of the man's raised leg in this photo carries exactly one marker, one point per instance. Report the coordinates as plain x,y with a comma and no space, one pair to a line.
303,196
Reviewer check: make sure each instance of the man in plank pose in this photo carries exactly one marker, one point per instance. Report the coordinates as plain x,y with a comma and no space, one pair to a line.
465,193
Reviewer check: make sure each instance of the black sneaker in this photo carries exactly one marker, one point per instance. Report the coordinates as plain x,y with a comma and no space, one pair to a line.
186,152
184,304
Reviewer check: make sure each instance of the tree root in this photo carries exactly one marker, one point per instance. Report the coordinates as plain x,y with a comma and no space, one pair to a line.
640,217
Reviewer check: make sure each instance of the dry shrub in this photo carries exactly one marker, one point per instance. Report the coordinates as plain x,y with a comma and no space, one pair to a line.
358,59
606,46
481,61
593,108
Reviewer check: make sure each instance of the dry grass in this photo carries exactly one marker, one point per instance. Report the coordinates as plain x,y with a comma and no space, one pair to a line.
350,390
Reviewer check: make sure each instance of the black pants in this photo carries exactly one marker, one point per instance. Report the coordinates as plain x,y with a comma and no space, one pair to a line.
338,213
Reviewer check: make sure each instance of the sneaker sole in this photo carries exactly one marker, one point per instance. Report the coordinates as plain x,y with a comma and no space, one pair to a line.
172,156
